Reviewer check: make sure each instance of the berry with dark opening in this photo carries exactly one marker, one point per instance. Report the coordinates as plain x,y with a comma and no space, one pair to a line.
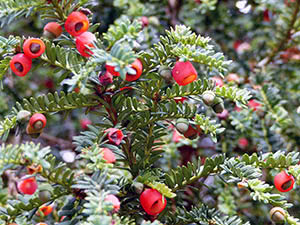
138,67
184,73
106,78
83,40
115,136
33,47
38,121
152,202
27,185
52,30
20,64
45,209
77,23
145,21
284,182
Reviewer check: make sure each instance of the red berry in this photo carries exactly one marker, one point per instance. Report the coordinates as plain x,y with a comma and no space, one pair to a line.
184,73
111,69
180,99
52,30
236,44
38,121
191,133
176,137
284,182
145,21
20,64
84,123
76,23
114,201
46,209
267,16
233,77
33,47
86,38
152,201
108,155
49,83
223,115
243,143
106,78
41,224
253,104
138,67
219,82
27,185
115,136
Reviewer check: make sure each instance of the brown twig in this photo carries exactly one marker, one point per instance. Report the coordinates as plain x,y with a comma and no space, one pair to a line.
287,35
173,10
61,142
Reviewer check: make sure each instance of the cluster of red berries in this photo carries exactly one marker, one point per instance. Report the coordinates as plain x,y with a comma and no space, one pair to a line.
21,63
77,25
111,71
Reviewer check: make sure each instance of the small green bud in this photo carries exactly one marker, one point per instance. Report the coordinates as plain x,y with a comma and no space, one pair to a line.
23,116
218,105
138,187
208,97
277,215
166,73
182,125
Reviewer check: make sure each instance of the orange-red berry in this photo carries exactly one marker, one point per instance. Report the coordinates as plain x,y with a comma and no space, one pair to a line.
27,185
108,155
33,47
77,23
152,201
218,81
184,73
115,136
253,104
84,123
20,64
111,69
114,201
284,182
45,209
83,40
38,121
52,30
138,67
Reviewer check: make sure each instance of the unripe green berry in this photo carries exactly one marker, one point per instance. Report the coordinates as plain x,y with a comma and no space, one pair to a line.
182,125
208,97
153,20
166,73
23,116
218,105
138,187
277,215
